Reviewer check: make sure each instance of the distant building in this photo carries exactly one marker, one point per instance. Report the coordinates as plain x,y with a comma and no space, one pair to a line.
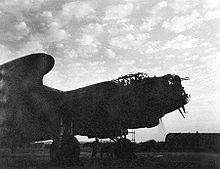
193,142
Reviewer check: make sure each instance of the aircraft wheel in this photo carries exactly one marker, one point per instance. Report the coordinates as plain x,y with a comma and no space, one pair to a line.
70,151
123,148
55,153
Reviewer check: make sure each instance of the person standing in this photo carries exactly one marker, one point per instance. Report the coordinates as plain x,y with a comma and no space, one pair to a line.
95,147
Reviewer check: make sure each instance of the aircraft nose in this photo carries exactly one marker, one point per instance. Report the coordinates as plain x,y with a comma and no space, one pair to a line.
184,96
175,83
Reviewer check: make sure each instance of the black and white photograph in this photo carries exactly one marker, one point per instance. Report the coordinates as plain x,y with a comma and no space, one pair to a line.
109,84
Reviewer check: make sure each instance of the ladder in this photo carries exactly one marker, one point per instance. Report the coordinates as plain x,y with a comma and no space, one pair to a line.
132,132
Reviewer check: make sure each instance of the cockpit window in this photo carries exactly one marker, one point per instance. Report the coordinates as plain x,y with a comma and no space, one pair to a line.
131,78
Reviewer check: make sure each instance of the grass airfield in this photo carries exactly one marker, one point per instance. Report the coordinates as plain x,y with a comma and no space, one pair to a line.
150,160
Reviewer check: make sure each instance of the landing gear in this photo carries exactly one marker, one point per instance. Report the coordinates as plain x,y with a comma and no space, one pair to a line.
123,149
70,151
55,153
65,150
66,153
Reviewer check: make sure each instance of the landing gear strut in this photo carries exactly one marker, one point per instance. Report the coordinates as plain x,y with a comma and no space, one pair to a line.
123,149
65,150
67,153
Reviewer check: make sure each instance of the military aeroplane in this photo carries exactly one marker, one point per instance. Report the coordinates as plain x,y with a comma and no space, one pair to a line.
32,111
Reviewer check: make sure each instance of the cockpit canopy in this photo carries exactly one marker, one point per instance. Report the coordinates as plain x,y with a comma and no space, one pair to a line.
130,78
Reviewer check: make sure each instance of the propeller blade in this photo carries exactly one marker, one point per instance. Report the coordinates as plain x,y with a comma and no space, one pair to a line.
160,121
185,78
181,113
184,110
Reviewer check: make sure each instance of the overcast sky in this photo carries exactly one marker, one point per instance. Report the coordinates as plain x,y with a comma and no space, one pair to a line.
98,40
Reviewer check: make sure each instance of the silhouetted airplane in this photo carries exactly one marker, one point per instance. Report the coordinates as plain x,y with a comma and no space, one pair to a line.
32,111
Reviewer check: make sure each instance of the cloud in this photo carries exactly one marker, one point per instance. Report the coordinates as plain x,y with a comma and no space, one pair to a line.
148,23
212,63
129,41
212,15
32,46
211,4
9,36
12,29
127,62
22,29
86,39
136,42
110,53
95,29
191,58
88,42
60,45
170,56
122,26
151,47
76,75
182,23
158,7
182,6
210,50
56,79
47,14
156,14
71,53
24,24
17,6
204,75
81,52
119,42
5,54
118,11
53,32
79,10
86,45
218,35
181,42
96,63
182,69
210,78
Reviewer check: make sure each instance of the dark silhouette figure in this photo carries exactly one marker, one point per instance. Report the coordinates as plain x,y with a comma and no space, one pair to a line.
124,149
67,154
95,147
107,149
70,150
55,153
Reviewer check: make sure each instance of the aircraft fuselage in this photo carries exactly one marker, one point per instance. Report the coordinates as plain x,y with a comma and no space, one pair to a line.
32,111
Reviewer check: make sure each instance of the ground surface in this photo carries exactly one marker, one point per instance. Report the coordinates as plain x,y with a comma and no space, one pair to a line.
164,160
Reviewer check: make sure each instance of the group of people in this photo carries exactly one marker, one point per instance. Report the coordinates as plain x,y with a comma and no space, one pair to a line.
104,148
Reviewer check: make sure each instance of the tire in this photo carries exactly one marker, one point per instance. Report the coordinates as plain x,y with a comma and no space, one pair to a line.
123,149
68,153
